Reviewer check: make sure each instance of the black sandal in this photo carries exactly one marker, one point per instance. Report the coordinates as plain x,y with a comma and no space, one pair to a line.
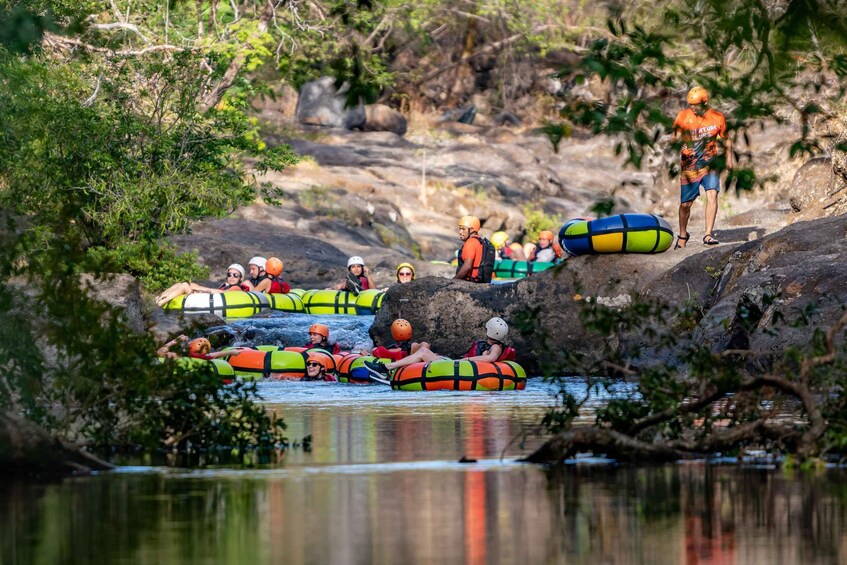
709,239
681,238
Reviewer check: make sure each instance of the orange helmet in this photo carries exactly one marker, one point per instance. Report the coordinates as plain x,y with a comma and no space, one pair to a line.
697,95
546,234
317,358
470,222
401,330
199,346
319,329
274,266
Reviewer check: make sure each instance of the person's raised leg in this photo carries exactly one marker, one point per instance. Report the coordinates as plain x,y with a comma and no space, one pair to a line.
177,289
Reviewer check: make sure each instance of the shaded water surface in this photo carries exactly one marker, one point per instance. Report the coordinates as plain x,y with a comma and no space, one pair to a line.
383,485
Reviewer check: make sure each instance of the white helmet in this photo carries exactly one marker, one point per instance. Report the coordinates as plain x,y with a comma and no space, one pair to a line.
355,260
237,267
496,328
258,261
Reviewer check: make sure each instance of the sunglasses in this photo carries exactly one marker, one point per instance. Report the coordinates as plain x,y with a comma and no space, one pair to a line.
402,274
313,364
233,274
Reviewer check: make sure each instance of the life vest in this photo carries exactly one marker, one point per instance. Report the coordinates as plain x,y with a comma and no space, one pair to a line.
480,347
546,255
279,286
241,286
483,266
356,284
255,282
395,351
332,348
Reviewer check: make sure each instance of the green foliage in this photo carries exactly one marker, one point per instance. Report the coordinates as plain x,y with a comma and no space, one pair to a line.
536,221
156,265
787,401
758,62
104,150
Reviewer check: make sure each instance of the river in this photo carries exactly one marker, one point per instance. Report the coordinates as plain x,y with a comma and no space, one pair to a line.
383,483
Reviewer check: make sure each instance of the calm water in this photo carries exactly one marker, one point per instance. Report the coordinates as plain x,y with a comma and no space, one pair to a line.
383,485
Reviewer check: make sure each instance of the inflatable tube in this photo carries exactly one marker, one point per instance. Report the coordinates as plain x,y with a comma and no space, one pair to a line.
508,269
460,375
268,363
219,366
369,301
352,370
331,302
286,302
624,233
297,292
235,304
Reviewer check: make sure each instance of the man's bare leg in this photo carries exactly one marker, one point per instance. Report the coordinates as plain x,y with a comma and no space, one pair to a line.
684,215
711,210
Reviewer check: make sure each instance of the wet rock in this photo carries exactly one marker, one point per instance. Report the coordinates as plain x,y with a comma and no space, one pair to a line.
123,291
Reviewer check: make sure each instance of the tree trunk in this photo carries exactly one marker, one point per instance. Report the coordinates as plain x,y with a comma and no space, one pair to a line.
27,449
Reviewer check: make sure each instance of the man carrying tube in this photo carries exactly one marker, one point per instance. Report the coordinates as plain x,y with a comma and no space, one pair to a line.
700,129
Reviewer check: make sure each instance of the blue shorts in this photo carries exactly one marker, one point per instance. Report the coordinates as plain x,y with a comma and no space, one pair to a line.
691,190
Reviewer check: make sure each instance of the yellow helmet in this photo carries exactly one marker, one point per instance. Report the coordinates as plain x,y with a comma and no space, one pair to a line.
470,222
697,95
402,266
499,239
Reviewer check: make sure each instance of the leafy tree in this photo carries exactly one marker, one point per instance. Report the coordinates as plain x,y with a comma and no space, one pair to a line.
107,147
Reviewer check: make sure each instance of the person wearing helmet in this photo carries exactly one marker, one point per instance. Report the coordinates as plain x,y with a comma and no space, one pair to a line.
198,348
699,129
403,346
259,280
316,369
470,255
405,273
491,349
319,339
358,277
544,250
274,268
234,281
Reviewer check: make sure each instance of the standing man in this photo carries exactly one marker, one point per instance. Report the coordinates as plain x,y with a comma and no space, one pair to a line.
470,256
700,128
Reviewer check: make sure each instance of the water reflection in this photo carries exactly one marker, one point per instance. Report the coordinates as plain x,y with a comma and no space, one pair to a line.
384,485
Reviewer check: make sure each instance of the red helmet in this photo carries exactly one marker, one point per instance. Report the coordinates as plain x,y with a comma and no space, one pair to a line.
199,346
274,266
401,330
697,95
546,234
319,329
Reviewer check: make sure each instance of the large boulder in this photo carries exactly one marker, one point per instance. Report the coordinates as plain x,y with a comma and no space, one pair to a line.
379,117
812,184
321,104
745,292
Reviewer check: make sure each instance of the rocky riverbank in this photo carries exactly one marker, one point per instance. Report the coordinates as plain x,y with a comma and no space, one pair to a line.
391,199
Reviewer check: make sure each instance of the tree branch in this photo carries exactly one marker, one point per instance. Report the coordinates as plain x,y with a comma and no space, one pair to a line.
491,47
58,41
214,95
